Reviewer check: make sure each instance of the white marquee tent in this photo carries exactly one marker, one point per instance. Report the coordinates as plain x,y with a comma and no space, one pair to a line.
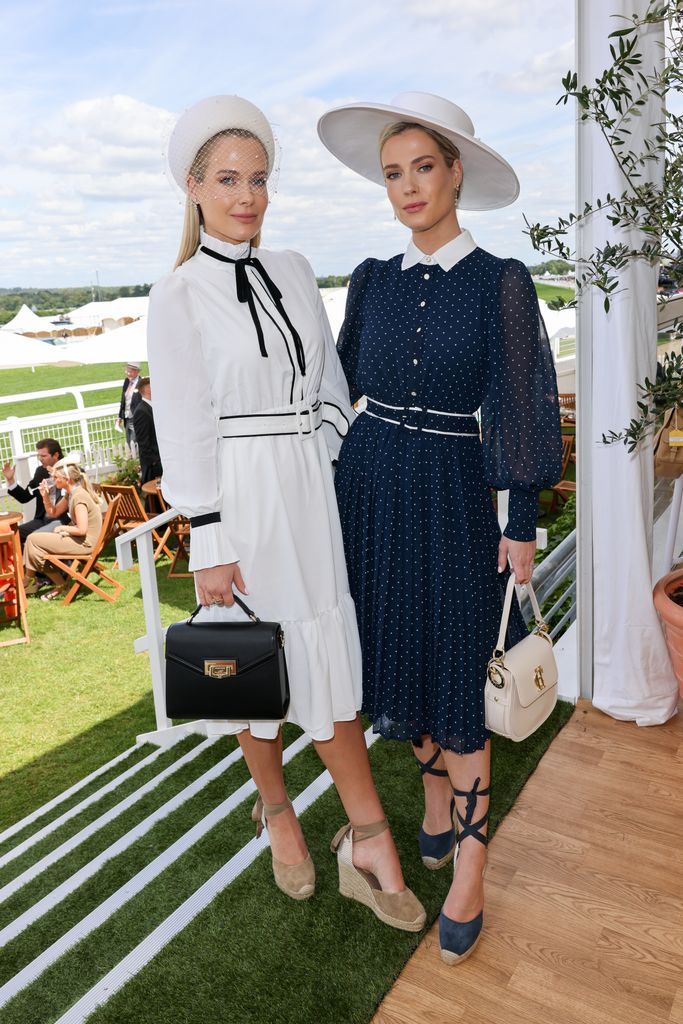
93,313
16,351
27,320
126,343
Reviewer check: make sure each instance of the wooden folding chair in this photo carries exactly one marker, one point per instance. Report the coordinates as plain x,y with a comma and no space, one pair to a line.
12,583
69,564
131,513
565,488
180,528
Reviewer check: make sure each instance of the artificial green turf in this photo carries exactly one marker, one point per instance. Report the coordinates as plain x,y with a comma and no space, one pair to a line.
77,695
254,955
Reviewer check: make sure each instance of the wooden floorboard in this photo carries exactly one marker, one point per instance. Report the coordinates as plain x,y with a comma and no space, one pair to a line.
584,893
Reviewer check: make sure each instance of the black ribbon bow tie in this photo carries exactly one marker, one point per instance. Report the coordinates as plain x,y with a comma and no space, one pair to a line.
245,293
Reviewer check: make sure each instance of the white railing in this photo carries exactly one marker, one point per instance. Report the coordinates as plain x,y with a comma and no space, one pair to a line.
75,390
153,641
85,429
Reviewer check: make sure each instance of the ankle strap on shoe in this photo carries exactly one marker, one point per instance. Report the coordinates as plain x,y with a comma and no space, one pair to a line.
427,767
358,832
467,826
361,832
261,811
270,810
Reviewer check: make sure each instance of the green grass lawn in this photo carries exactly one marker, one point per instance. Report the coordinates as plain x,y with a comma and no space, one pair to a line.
45,378
553,291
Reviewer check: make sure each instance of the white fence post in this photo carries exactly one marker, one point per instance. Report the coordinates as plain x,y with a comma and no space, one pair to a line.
14,430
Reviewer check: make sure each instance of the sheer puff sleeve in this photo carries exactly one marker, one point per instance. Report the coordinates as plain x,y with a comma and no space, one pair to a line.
348,343
520,417
185,420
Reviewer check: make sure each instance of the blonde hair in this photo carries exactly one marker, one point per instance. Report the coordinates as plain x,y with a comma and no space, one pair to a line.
189,242
448,149
75,475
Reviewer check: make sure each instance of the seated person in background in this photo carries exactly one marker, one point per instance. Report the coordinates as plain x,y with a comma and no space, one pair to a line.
56,502
145,433
49,453
76,539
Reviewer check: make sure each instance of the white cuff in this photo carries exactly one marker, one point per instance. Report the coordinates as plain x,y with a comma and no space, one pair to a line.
210,546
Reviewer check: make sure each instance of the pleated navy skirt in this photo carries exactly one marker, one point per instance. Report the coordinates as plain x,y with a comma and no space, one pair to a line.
421,539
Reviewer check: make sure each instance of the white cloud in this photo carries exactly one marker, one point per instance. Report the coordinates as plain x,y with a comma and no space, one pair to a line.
85,170
542,73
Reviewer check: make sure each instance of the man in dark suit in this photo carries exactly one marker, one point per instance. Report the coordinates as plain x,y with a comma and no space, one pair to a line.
49,452
145,433
129,400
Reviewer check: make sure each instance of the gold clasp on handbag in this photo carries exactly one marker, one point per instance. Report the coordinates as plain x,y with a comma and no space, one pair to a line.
539,681
220,669
495,665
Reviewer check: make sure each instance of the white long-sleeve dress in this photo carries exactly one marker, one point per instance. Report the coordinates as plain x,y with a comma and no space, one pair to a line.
274,494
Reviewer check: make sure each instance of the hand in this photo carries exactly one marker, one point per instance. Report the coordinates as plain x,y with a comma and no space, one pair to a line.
119,421
42,487
214,585
8,471
521,554
63,531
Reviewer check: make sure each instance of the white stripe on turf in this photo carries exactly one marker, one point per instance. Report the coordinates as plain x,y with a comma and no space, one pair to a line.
146,950
70,844
71,883
134,885
40,811
52,826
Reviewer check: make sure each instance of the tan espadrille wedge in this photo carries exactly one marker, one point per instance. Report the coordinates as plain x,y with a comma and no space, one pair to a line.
397,909
294,880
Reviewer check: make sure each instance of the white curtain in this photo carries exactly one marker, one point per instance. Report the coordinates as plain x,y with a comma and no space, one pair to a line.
633,678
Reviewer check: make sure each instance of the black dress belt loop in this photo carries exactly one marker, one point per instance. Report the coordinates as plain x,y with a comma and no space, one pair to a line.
245,294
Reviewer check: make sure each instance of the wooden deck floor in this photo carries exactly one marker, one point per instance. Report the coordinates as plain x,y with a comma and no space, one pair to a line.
584,912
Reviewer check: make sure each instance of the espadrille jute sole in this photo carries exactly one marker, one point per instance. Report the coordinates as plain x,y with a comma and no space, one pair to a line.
354,885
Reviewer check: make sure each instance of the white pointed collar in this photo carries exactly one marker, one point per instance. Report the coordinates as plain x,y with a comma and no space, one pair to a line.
233,252
446,257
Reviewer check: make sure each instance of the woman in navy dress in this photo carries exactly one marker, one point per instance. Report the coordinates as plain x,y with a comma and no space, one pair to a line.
430,338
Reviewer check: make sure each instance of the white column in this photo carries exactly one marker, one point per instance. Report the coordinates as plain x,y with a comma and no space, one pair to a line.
632,675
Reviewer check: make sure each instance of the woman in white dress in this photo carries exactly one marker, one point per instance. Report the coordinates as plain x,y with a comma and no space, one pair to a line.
250,406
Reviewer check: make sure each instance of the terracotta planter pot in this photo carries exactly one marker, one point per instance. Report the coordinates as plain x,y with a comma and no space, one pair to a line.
671,615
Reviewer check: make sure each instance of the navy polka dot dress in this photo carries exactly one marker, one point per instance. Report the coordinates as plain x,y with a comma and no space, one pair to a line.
420,531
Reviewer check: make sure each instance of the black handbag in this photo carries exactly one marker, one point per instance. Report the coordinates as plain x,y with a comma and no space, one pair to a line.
226,670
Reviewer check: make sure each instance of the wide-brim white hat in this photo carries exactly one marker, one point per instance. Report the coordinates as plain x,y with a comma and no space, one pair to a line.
352,133
201,122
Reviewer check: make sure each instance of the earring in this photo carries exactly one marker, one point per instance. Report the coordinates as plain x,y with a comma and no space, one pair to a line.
457,192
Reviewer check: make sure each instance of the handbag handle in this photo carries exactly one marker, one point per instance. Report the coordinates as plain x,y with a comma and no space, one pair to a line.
541,625
238,601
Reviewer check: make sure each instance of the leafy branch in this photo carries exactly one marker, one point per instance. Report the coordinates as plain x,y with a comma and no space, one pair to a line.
655,209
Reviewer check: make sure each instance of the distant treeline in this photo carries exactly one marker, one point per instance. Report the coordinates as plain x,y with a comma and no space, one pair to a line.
555,267
49,301
52,301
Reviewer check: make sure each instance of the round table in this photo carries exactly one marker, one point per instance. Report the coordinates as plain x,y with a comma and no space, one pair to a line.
152,487
10,519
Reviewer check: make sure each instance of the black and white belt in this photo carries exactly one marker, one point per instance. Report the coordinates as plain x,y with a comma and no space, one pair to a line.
303,419
427,421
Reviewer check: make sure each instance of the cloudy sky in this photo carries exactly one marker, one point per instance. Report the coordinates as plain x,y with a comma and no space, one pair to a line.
89,91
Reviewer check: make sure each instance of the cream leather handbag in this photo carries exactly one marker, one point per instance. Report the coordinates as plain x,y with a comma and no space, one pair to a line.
521,684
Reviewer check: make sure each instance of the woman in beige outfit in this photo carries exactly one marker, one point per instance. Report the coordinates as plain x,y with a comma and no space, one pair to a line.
76,539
